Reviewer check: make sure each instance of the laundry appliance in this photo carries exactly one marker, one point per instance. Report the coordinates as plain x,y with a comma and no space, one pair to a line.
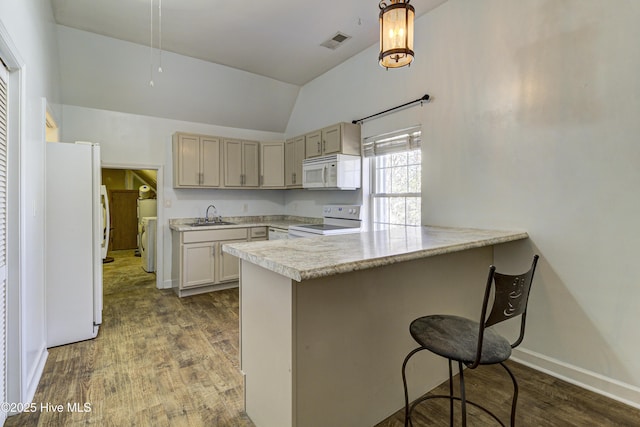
148,243
145,208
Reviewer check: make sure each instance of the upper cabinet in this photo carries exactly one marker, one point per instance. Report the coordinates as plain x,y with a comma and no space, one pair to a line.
196,161
294,155
201,161
313,144
341,138
272,164
241,163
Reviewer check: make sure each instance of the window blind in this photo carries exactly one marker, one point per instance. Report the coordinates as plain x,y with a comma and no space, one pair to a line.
393,142
3,237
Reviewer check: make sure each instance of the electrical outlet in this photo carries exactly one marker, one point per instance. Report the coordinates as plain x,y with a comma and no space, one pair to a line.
167,203
245,207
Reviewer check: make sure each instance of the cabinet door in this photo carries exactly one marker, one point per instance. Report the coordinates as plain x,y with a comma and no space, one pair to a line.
299,158
229,265
312,144
289,162
251,164
198,264
188,161
210,161
232,163
294,157
331,139
272,164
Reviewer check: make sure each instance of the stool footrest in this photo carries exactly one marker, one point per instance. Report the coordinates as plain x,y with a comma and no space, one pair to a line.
444,396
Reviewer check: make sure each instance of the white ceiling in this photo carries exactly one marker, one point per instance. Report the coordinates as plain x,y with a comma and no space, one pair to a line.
279,39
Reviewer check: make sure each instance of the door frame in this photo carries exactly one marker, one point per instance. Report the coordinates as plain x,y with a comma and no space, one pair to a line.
161,229
22,380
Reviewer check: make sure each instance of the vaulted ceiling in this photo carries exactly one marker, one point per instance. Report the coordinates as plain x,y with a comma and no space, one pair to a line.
280,39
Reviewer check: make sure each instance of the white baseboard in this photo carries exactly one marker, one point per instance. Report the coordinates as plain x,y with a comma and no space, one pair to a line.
35,375
167,284
609,387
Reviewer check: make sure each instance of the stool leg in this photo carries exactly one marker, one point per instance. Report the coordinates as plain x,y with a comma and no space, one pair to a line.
450,394
515,395
407,415
463,399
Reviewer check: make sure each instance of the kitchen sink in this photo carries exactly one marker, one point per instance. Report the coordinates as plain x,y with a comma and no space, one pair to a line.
210,223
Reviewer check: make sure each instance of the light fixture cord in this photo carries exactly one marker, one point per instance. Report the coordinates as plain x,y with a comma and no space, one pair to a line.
160,35
151,43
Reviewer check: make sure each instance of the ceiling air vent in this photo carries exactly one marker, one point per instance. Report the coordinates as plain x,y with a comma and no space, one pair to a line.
335,41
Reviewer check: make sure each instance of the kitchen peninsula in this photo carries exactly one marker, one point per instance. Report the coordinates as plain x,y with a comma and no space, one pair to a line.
324,321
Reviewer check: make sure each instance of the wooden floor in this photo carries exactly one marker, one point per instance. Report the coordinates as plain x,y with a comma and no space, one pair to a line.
163,361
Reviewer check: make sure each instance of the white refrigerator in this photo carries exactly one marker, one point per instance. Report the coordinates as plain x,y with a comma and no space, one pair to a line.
75,238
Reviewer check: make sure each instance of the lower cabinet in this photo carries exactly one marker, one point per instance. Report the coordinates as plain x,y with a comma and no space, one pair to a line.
229,265
199,265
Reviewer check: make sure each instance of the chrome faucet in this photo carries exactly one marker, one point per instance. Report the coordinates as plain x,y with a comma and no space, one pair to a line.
215,211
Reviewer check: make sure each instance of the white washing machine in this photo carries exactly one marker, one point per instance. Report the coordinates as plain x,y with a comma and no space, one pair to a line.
148,243
145,207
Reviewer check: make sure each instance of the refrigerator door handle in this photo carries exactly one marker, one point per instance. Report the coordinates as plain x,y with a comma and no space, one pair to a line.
106,220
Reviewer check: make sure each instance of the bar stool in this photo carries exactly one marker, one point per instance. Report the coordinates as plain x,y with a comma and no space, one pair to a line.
470,343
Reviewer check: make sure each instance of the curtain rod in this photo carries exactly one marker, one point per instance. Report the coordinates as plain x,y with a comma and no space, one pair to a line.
415,101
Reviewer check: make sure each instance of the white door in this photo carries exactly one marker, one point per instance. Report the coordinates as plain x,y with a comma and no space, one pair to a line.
3,240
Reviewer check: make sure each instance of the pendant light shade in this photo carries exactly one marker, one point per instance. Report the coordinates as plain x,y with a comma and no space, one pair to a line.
396,33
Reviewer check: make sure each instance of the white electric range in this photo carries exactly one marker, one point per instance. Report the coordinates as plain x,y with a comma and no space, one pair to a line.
337,219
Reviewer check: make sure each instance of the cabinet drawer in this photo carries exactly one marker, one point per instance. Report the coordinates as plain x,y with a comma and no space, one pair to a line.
214,235
258,233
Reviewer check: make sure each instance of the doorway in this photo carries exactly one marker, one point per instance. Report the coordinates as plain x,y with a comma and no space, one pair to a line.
132,193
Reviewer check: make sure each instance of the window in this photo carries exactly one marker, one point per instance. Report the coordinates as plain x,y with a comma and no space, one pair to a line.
396,165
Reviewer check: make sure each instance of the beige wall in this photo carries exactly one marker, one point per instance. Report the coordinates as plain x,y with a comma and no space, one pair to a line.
114,179
127,179
533,124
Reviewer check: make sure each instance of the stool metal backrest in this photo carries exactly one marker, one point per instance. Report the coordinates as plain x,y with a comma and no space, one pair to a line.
510,300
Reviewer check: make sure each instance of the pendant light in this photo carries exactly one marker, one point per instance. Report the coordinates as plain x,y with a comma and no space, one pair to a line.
396,33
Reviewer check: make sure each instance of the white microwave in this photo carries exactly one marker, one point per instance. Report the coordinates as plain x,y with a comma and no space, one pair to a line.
334,172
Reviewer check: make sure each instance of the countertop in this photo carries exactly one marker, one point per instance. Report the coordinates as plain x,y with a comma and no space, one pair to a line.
276,221
310,258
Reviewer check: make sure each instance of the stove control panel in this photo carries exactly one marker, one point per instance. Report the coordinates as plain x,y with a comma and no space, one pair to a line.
342,211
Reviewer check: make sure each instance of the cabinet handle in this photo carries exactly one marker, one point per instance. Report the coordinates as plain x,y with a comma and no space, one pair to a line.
293,177
261,179
319,151
324,145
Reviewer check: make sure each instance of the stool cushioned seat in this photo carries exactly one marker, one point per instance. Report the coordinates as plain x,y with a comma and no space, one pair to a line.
456,338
